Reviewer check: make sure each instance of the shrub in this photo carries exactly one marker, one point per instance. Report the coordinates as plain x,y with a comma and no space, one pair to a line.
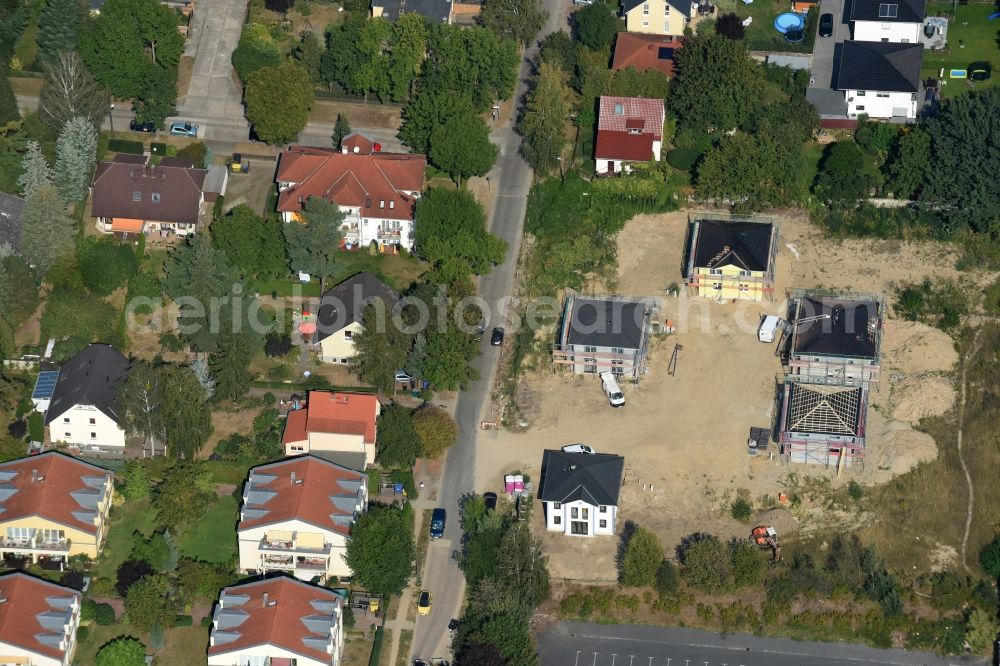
158,148
105,264
683,158
748,562
183,621
666,578
207,620
82,633
855,491
642,559
741,510
104,614
989,558
36,426
87,610
197,152
126,146
73,579
129,572
707,565
278,344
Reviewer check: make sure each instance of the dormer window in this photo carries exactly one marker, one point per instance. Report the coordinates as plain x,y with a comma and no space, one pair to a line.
155,197
634,130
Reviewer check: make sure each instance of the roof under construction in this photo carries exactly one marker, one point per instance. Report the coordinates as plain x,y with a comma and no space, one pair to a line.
744,244
837,326
825,410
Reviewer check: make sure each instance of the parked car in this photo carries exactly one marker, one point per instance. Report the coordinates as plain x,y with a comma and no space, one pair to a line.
184,129
577,448
768,328
490,500
611,389
402,377
583,2
147,127
438,519
497,338
826,25
980,71
424,604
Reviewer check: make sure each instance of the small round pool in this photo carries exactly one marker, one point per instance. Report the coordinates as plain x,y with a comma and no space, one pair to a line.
789,21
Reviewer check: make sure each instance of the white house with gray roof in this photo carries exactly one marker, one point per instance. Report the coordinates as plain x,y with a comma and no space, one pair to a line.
580,492
894,21
605,334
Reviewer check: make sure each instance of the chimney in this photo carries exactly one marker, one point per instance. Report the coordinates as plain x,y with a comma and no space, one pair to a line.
293,478
265,600
34,475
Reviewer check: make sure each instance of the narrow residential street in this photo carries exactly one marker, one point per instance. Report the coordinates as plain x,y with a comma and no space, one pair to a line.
511,177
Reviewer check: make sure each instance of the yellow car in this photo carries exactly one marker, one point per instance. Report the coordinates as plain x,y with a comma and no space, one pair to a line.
424,604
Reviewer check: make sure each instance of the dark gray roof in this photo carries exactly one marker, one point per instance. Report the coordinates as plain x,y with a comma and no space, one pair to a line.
744,244
10,219
353,460
889,11
683,6
342,304
89,378
606,323
436,11
595,478
844,332
882,66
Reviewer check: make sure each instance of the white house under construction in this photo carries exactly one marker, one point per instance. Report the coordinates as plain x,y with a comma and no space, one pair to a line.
833,359
606,333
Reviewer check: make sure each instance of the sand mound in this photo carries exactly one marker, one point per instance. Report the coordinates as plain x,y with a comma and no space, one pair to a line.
780,519
915,398
895,448
915,348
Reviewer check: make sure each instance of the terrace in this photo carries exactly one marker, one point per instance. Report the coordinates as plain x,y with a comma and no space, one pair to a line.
971,37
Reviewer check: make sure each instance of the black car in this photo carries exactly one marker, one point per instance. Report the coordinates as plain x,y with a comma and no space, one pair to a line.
438,518
826,25
497,338
490,500
146,127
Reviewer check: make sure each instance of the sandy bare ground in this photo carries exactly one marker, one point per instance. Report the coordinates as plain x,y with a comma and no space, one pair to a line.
684,436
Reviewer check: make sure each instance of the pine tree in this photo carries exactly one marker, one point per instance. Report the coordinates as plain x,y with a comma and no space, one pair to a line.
76,155
340,130
47,230
8,103
230,365
200,368
36,170
58,24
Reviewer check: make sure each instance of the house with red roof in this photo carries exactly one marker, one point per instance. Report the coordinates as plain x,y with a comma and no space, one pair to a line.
645,52
377,191
335,425
296,516
38,621
278,621
629,129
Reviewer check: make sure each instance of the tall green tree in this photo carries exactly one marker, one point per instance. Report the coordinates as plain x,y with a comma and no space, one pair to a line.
428,110
148,603
255,50
8,102
596,25
908,163
543,121
47,230
380,550
380,347
436,430
398,444
278,100
157,98
250,242
462,148
751,170
965,160
71,91
341,129
309,54
18,290
453,229
183,495
76,156
122,651
313,244
474,61
408,48
357,55
846,174
58,26
519,20
717,85
230,365
642,558
36,173
448,355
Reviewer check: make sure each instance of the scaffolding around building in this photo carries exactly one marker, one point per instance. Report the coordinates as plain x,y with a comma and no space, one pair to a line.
720,284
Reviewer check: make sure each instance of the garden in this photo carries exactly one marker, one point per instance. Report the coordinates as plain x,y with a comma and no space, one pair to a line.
971,37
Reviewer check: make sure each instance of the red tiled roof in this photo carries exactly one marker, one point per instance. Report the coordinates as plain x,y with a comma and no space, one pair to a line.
43,486
279,622
26,598
617,115
307,499
340,413
377,184
645,52
358,144
118,184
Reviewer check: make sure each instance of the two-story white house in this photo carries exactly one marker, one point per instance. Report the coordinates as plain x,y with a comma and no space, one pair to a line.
881,79
897,22
38,621
337,426
580,492
377,191
296,517
338,319
82,413
276,622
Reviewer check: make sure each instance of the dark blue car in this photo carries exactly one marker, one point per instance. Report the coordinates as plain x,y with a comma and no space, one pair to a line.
437,523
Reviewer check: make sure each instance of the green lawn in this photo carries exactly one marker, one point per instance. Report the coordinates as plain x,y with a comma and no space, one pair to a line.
396,270
979,35
130,517
813,154
761,35
182,645
213,537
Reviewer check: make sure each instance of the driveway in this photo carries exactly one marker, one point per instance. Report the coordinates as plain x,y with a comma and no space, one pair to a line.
583,644
214,99
826,53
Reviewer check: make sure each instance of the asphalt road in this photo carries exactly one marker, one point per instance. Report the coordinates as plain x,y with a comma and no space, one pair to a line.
511,177
581,644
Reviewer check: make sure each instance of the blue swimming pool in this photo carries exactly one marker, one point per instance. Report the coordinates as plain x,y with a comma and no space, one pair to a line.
789,21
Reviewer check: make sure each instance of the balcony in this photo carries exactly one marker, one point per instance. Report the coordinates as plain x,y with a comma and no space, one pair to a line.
290,546
314,563
391,235
35,545
278,562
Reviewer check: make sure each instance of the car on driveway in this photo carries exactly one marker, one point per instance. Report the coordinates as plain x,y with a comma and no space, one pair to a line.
490,500
402,377
497,338
146,127
424,604
437,523
578,448
826,25
184,129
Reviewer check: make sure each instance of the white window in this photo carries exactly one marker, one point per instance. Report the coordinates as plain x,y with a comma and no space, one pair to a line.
860,108
645,9
53,536
68,435
348,335
604,524
557,505
574,512
602,509
860,93
344,361
666,9
93,421
155,197
19,533
93,435
65,419
253,660
586,513
557,520
645,24
883,95
136,195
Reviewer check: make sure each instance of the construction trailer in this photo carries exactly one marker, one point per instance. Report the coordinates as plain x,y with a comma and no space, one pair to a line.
605,334
731,258
833,359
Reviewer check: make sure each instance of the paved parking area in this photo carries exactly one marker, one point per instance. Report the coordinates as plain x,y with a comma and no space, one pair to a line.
822,95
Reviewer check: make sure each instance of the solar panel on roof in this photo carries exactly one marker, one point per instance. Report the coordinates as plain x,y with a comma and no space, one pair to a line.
665,53
886,10
45,385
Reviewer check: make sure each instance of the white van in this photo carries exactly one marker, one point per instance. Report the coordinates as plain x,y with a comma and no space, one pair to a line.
612,390
768,328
